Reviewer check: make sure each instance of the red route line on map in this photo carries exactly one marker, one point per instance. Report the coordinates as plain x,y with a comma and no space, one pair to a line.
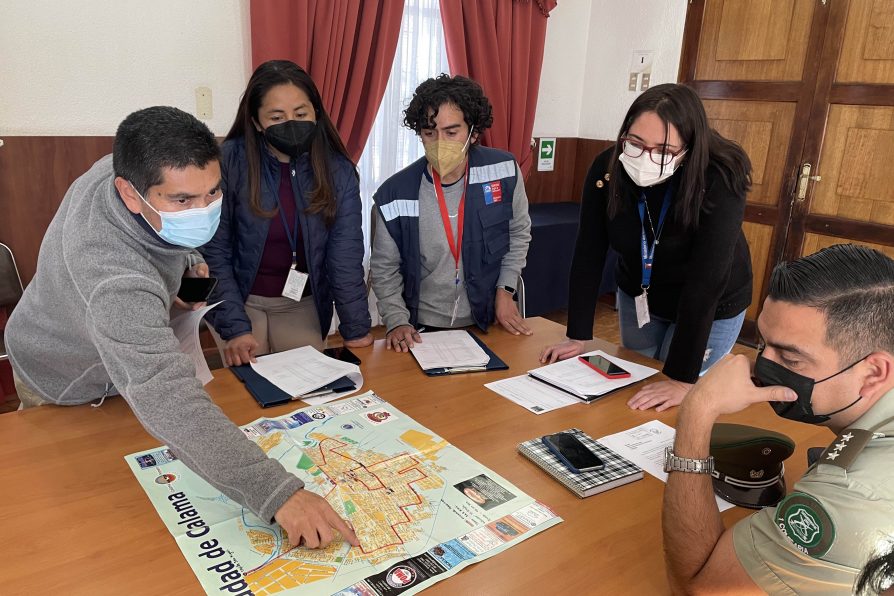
382,487
402,508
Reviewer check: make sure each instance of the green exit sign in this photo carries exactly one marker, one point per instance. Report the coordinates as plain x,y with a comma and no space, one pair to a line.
546,155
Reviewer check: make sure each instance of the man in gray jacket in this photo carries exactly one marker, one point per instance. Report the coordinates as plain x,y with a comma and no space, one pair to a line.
95,319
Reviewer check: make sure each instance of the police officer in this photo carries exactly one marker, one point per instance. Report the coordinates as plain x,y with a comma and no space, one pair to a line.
828,359
452,229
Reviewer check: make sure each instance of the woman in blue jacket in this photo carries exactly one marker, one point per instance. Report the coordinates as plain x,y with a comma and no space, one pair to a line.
290,241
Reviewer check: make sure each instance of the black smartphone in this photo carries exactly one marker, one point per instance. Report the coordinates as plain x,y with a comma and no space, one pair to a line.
604,367
342,353
576,456
196,289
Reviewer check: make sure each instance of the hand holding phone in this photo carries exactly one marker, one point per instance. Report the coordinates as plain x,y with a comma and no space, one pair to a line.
576,456
605,367
196,289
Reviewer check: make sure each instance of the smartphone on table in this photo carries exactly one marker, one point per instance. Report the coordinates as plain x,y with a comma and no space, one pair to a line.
576,456
196,289
605,367
342,353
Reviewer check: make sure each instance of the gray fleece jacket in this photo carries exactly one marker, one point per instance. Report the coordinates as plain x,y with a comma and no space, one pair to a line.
96,315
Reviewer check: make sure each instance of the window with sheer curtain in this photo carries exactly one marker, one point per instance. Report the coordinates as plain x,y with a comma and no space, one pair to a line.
421,54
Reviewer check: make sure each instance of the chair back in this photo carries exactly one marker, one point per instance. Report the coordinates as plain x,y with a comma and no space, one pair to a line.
10,280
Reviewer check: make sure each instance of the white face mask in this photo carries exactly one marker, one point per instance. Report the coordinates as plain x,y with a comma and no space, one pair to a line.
190,228
645,172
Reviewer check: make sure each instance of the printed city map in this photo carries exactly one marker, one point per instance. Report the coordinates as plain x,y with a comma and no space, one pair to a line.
421,508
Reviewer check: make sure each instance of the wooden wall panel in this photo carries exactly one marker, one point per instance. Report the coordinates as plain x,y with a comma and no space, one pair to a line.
855,165
565,183
556,186
815,242
35,173
763,129
759,237
867,53
760,40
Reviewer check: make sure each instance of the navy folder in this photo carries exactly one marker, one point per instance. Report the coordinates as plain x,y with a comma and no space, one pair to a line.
495,363
267,394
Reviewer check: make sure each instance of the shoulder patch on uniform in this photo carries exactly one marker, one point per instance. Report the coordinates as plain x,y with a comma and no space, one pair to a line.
806,523
846,447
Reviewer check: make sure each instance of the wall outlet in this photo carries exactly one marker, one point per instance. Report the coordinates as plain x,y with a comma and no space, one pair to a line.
640,70
203,103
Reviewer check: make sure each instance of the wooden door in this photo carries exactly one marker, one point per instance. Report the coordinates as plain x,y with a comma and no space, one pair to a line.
800,82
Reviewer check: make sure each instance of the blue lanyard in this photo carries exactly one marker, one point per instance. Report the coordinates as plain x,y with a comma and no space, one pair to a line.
293,239
648,252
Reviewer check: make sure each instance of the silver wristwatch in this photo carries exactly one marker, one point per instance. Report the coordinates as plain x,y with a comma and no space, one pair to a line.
673,463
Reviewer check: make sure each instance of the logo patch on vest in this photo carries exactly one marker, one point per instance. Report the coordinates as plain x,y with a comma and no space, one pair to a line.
806,524
493,192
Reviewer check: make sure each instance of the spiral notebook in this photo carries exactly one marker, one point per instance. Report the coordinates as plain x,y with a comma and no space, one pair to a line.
617,471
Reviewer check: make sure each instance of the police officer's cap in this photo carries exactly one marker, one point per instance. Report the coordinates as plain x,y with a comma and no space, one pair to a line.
748,469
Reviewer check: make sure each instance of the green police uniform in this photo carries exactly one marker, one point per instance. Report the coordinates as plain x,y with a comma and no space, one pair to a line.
841,511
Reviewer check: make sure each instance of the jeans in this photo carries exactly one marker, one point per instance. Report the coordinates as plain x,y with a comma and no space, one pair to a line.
654,339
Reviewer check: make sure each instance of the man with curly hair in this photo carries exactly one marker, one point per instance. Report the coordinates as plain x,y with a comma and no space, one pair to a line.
453,227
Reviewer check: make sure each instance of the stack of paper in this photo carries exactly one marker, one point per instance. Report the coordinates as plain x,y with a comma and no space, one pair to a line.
644,445
580,380
186,329
449,349
304,372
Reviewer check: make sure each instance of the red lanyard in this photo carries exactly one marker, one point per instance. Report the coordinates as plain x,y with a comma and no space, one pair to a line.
456,247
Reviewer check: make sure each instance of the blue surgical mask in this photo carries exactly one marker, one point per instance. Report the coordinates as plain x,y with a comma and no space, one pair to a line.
190,228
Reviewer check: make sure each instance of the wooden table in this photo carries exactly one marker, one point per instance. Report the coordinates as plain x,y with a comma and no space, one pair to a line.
74,520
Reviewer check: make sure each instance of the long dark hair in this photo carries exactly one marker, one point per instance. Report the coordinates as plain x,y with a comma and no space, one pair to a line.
679,105
325,143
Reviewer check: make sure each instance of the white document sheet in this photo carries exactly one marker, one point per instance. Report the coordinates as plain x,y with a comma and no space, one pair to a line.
531,394
580,379
644,445
186,330
448,349
304,370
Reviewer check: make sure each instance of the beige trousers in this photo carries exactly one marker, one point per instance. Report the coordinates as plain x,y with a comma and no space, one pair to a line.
27,397
280,324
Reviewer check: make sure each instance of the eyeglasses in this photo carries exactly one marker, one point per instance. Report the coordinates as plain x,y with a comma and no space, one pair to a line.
659,155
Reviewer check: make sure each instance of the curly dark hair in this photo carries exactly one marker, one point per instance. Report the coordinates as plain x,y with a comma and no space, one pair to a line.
876,575
463,92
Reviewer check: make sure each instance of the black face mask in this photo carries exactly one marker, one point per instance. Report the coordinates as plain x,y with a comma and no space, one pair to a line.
767,372
292,137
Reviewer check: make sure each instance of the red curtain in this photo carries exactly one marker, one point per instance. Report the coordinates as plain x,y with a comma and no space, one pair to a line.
499,44
347,47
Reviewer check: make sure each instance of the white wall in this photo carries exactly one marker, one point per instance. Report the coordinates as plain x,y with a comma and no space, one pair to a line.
586,61
78,68
564,62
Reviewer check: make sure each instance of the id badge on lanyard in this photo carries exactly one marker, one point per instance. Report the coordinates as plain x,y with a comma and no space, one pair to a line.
455,247
641,302
296,280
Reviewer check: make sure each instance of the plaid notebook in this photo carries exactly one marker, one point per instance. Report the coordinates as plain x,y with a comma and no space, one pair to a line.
617,470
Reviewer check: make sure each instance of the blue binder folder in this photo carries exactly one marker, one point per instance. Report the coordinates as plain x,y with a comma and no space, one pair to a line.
267,394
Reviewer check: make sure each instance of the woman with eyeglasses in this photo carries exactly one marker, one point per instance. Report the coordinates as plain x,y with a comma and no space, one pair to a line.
669,197
290,242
